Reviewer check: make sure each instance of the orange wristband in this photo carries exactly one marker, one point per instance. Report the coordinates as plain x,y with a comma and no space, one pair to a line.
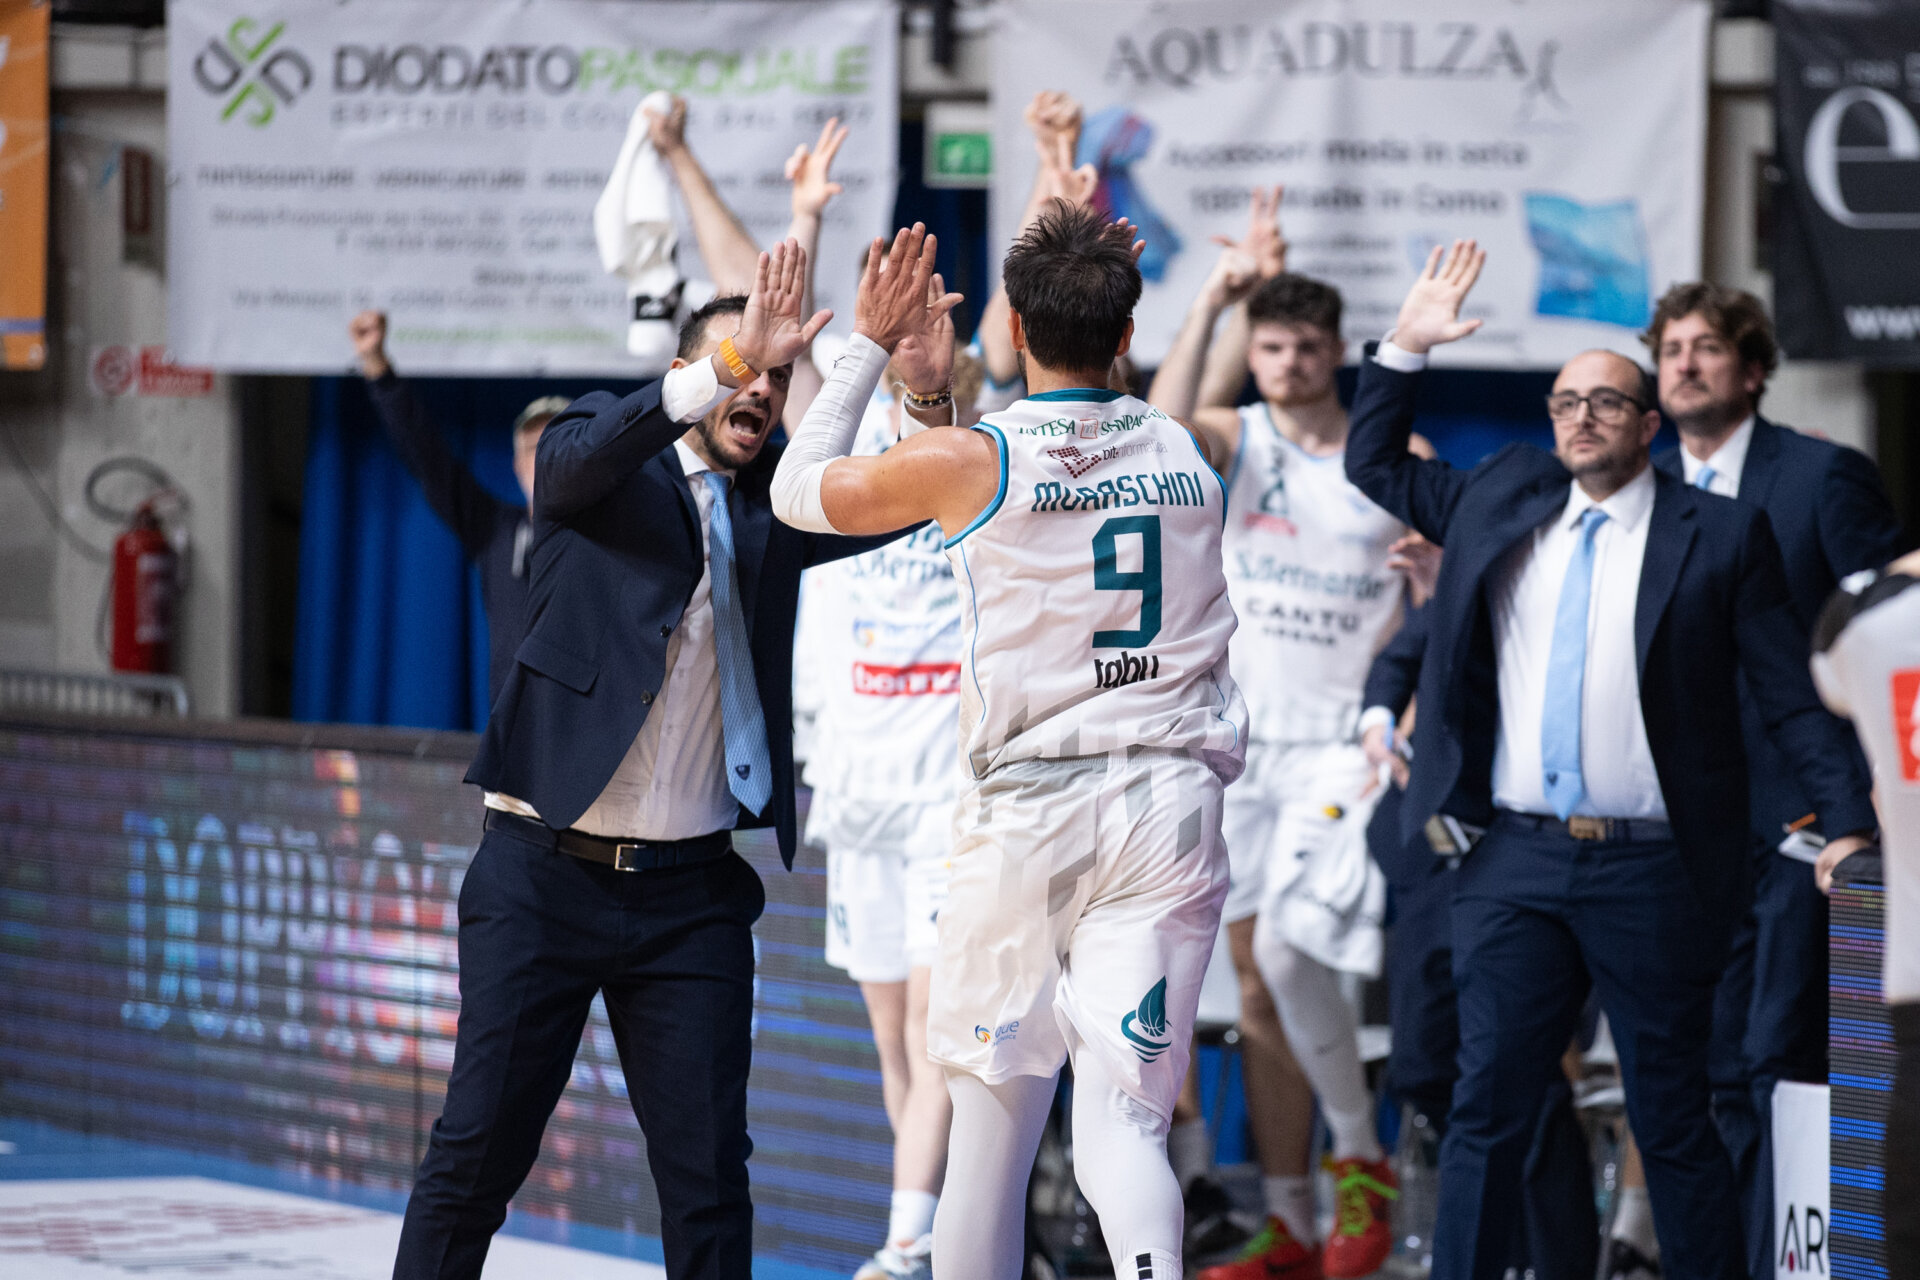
735,365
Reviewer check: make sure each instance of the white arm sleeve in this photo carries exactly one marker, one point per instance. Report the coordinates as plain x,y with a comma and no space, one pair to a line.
826,433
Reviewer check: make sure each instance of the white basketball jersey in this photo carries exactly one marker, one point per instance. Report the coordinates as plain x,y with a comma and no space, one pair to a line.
1095,611
1866,662
889,726
1306,559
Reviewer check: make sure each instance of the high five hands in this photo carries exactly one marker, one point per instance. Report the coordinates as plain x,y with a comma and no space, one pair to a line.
772,328
1431,314
897,298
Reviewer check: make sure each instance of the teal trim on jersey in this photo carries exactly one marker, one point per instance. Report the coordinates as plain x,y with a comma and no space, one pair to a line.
1239,452
1208,463
1096,395
999,496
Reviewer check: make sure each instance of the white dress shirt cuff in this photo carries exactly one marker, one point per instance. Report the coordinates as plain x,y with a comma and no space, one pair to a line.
1399,359
1376,716
688,392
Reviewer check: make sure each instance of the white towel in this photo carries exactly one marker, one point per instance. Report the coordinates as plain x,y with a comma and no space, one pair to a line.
1335,910
633,226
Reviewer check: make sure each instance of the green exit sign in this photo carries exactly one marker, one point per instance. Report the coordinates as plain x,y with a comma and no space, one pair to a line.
959,145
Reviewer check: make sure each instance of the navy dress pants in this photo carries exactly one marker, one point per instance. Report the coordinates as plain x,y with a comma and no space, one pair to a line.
1769,1025
1538,919
1558,1236
541,934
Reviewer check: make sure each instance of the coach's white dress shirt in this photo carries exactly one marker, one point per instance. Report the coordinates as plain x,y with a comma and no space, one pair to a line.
1728,461
1524,590
672,783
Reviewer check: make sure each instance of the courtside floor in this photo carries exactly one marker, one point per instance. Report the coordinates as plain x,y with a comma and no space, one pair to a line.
79,1207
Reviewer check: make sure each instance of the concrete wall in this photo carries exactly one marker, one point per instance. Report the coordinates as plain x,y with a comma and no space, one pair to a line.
50,590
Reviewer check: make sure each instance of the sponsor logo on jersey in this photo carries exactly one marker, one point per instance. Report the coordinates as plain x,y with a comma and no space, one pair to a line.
1247,567
1078,462
1146,1027
1117,673
1906,722
1274,511
997,1035
1162,489
922,679
1108,426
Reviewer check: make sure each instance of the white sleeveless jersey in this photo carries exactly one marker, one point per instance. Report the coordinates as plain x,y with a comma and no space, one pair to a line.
888,729
1306,560
1095,612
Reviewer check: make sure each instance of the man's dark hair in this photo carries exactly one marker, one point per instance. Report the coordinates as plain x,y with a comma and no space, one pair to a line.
1292,299
693,334
1735,315
1073,280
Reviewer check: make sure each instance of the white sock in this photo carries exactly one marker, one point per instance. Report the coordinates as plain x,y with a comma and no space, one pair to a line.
1322,1032
1119,1162
1633,1222
1189,1151
911,1217
1290,1199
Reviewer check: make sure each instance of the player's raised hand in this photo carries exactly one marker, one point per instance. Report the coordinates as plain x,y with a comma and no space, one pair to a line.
894,299
668,133
772,329
1431,314
1053,115
809,169
924,358
1058,178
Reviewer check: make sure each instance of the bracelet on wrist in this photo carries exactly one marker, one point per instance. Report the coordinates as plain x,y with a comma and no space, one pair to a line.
931,400
738,367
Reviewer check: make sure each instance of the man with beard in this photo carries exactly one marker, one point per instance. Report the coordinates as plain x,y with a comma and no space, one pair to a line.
1714,348
1314,570
645,718
1580,706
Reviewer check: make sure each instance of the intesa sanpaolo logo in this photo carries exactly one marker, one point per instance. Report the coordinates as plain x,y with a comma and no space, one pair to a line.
252,72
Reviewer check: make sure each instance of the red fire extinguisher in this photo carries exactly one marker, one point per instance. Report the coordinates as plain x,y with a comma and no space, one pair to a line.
146,584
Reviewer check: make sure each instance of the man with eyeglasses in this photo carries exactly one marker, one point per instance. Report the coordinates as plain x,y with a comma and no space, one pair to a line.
1580,712
1713,348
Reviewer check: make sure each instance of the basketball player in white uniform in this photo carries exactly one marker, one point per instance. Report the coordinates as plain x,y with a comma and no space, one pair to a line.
885,772
1098,726
1866,662
1314,571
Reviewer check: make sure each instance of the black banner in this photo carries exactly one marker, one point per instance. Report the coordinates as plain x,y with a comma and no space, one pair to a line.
1847,215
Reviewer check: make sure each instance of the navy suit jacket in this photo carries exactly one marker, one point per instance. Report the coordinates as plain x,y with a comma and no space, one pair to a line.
1831,517
1712,601
616,555
1391,682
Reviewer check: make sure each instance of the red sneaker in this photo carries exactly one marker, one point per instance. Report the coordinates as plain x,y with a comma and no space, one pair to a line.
1362,1234
1272,1255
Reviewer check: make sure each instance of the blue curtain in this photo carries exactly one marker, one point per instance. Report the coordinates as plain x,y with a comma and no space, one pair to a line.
390,629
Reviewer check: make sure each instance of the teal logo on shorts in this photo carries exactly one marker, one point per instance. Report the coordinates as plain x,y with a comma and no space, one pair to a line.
1146,1027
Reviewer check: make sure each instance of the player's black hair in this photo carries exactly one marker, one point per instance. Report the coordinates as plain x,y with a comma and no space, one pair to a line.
693,334
1073,280
1294,299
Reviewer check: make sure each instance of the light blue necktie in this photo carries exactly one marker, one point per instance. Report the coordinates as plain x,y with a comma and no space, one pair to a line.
1566,673
742,724
1704,478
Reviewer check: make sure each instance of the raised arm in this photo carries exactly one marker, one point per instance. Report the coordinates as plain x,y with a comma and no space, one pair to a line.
941,474
598,441
1054,119
810,170
1226,367
1420,491
456,495
725,246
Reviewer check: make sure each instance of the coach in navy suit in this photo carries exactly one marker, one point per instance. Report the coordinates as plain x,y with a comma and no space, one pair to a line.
1714,348
1579,700
646,717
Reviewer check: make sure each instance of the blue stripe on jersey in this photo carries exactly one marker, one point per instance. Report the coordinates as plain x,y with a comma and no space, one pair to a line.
1094,395
999,497
1208,462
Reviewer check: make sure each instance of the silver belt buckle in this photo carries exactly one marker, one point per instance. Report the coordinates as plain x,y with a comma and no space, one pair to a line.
624,855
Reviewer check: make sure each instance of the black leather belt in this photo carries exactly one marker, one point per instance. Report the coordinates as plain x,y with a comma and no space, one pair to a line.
621,855
1582,827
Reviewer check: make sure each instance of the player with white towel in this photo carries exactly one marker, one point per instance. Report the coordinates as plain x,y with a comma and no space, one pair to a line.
1099,726
1866,663
1315,571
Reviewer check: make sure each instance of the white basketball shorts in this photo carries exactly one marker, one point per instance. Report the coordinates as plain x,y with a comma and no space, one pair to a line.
1081,915
887,866
1288,804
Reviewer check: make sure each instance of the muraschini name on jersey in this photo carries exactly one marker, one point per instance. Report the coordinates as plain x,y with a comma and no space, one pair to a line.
1152,489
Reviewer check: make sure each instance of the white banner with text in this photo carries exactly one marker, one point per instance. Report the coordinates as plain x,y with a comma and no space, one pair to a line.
1567,137
441,162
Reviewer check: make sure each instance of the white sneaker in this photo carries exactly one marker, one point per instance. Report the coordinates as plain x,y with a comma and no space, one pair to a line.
915,1262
